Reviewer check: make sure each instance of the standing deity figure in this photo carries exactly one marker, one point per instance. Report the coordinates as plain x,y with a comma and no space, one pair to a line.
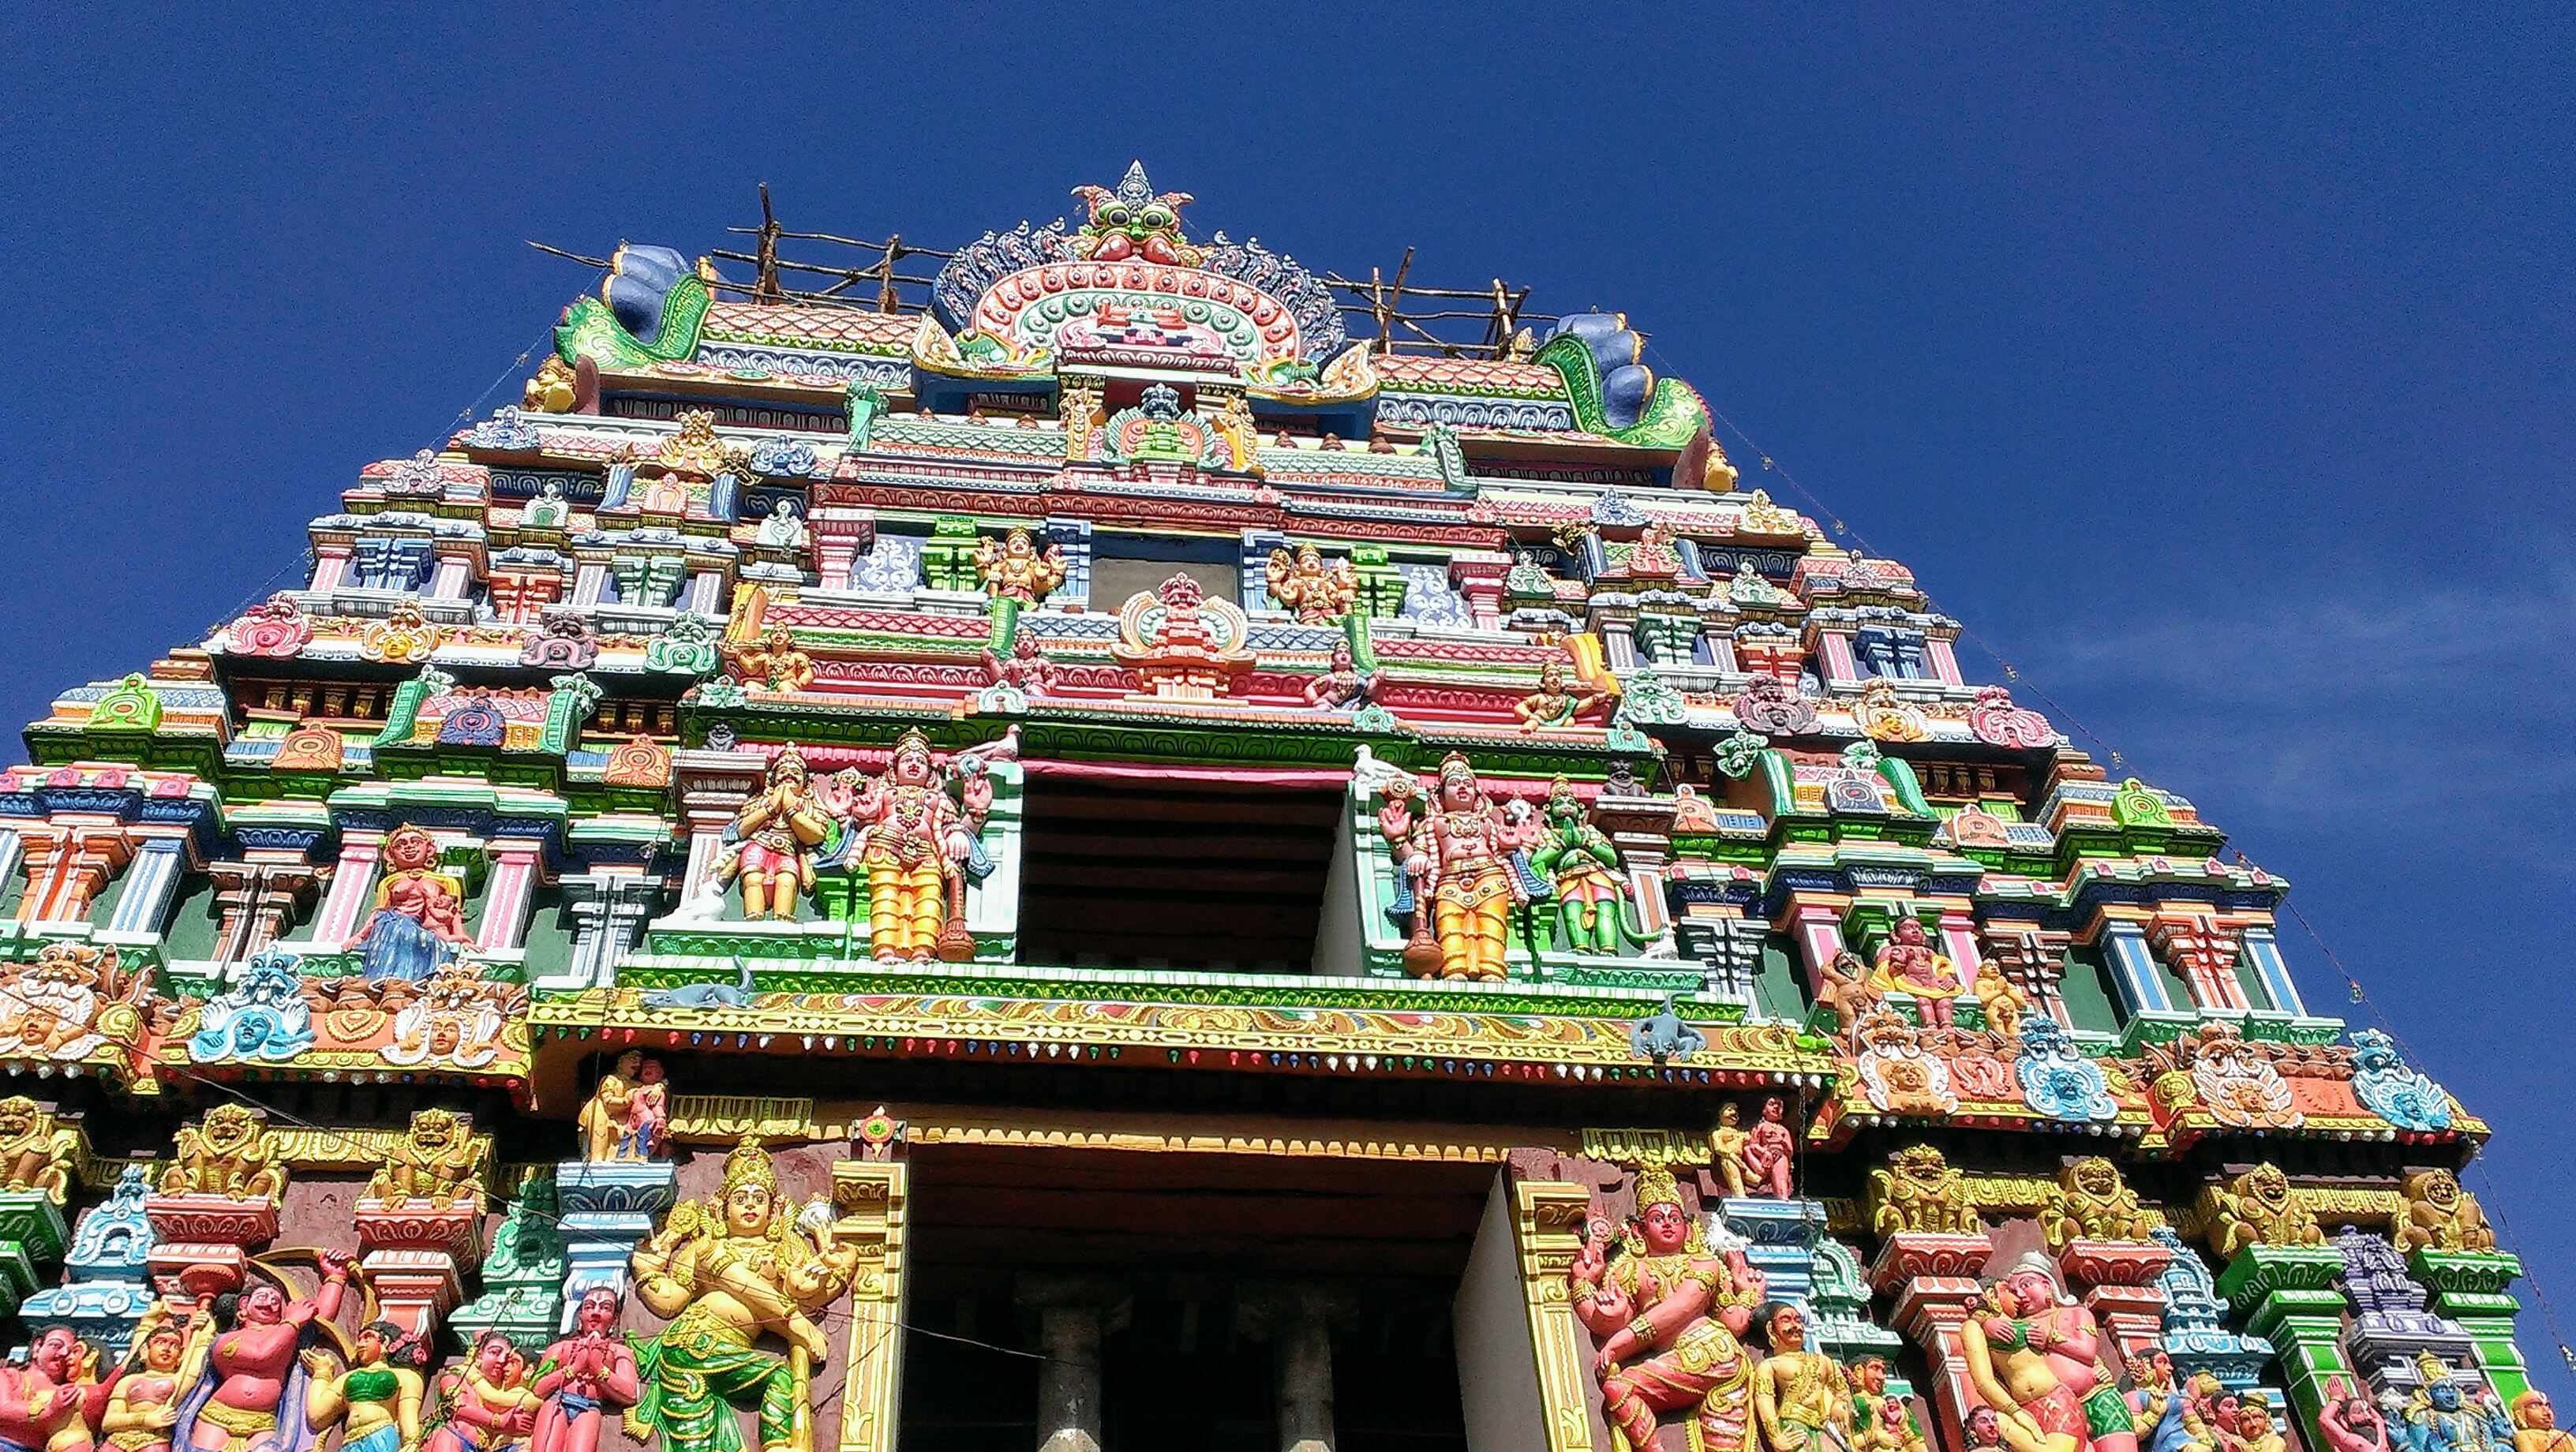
1907,963
252,1369
1552,704
1304,583
1726,1143
420,912
583,1375
1802,1396
626,1115
2535,1426
1462,862
2348,1422
1582,867
51,1403
2439,1418
489,1405
1881,1420
913,841
169,1356
1668,1312
376,1399
2037,1358
1015,570
729,1272
779,828
1846,989
1770,1152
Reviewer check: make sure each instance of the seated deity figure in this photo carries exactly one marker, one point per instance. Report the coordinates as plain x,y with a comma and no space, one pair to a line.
1907,963
1668,1313
419,921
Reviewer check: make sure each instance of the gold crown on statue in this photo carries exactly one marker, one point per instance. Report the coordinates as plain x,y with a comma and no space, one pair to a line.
1455,767
748,1164
1657,1187
912,743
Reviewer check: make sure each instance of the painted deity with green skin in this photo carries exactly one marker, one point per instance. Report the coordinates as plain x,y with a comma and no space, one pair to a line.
1583,866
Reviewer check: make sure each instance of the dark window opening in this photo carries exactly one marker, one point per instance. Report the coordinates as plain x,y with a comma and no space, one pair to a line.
1179,874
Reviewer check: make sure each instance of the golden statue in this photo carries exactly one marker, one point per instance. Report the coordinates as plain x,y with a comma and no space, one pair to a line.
551,390
773,663
2258,1208
437,1161
780,827
2255,1430
1726,1142
2441,1216
1318,592
913,844
229,1153
2091,1202
1667,1312
1918,1190
35,1153
729,1272
1016,570
1554,703
2004,1004
1799,1393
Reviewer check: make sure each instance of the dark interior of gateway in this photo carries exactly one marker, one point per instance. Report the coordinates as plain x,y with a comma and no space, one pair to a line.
1193,1269
1154,873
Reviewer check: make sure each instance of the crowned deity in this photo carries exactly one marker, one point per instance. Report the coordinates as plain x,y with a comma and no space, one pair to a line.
1583,868
2037,1358
419,921
779,828
2535,1426
732,1273
1553,703
1466,860
1316,591
2440,1418
913,841
1907,963
1668,1312
1015,569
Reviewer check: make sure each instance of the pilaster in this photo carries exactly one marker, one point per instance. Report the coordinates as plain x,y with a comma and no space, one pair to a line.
875,1214
607,1210
1932,1279
1547,1227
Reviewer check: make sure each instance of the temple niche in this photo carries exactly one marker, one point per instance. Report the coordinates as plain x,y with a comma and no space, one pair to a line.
1094,838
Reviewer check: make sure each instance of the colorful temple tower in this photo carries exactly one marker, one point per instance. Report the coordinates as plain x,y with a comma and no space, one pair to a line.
1065,855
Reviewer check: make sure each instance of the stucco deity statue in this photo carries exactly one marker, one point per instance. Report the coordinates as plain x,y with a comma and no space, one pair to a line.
1015,569
252,1370
35,1153
435,1161
1881,1420
419,920
1756,1161
2441,1216
2348,1422
913,841
729,1273
1907,963
1317,591
1343,686
2440,1418
1026,669
2091,1202
1553,703
773,662
2004,1004
2535,1426
1844,986
50,1403
624,1118
490,1407
1462,872
228,1153
2258,1208
780,827
1799,1394
2037,1358
375,1400
1918,1190
2155,1404
582,1376
169,1356
1668,1313
1582,868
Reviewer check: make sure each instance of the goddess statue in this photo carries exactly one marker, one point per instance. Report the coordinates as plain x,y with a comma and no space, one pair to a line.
728,1272
779,829
1016,570
375,1400
1304,583
1463,860
420,912
1668,1312
1907,963
1552,704
914,841
1802,1396
581,1376
169,1354
252,1369
2037,1359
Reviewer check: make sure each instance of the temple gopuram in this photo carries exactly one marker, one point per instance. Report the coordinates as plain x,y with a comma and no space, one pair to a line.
1109,842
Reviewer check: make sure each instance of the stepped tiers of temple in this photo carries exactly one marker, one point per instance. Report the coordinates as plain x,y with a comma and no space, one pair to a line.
1102,841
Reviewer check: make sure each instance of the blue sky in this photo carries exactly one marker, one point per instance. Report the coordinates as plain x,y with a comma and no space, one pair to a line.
2214,367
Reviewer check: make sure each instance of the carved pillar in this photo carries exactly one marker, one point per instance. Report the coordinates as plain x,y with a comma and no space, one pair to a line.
258,902
2202,950
2284,1294
353,889
201,1244
1074,1314
517,863
874,1215
608,906
31,1235
1614,618
1932,1279
1728,947
712,786
1547,1227
2469,1287
1642,829
1834,657
1815,920
2264,951
415,1256
1295,1321
841,533
1943,657
68,865
151,885
607,1209
2118,1282
330,565
1782,1236
520,594
1765,654
1478,575
2122,933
